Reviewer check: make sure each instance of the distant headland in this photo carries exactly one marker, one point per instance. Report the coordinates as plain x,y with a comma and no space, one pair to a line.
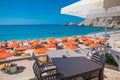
112,22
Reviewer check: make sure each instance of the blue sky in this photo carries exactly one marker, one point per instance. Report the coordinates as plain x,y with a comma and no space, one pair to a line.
35,12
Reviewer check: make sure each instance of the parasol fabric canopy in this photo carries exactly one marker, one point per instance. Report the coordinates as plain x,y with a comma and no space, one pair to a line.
101,12
93,8
82,8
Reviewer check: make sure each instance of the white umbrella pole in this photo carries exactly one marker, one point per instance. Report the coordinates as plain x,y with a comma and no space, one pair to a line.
105,23
105,30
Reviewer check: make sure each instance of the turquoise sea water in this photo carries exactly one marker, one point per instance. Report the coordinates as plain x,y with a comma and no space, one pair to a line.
24,32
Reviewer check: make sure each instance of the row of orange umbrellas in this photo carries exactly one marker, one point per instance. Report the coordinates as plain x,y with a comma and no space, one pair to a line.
90,43
87,41
53,41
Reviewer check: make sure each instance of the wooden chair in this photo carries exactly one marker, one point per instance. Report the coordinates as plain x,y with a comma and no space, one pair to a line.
99,59
42,72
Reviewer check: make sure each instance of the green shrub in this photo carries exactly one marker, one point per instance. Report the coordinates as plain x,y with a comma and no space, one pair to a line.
110,60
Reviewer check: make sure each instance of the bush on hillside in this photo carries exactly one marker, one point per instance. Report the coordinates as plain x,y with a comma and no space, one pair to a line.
110,60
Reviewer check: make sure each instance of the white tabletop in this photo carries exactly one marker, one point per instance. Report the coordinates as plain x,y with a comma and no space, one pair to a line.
60,53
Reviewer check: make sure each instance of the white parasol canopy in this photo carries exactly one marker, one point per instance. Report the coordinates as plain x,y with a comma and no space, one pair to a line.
101,12
93,8
82,8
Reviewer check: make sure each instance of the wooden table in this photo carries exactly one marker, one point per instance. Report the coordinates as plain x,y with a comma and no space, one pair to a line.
72,67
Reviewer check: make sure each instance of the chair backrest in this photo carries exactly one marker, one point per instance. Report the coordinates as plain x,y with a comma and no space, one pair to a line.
39,73
38,61
101,50
37,67
99,59
37,70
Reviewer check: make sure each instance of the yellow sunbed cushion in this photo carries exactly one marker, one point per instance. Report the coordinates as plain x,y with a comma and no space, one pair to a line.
43,59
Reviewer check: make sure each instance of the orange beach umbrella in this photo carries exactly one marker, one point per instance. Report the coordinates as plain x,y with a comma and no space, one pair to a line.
71,47
53,40
69,42
21,41
35,41
75,37
40,51
12,46
2,50
14,41
94,44
4,55
35,44
23,48
64,38
87,42
49,45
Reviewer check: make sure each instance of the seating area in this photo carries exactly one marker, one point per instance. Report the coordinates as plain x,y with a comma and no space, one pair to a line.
64,69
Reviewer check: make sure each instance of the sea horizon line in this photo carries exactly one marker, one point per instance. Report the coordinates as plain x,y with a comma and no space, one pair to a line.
27,24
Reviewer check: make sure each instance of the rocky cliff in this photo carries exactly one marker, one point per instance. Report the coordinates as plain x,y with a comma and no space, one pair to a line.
113,22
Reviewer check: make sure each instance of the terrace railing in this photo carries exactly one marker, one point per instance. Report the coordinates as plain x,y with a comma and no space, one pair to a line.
19,58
